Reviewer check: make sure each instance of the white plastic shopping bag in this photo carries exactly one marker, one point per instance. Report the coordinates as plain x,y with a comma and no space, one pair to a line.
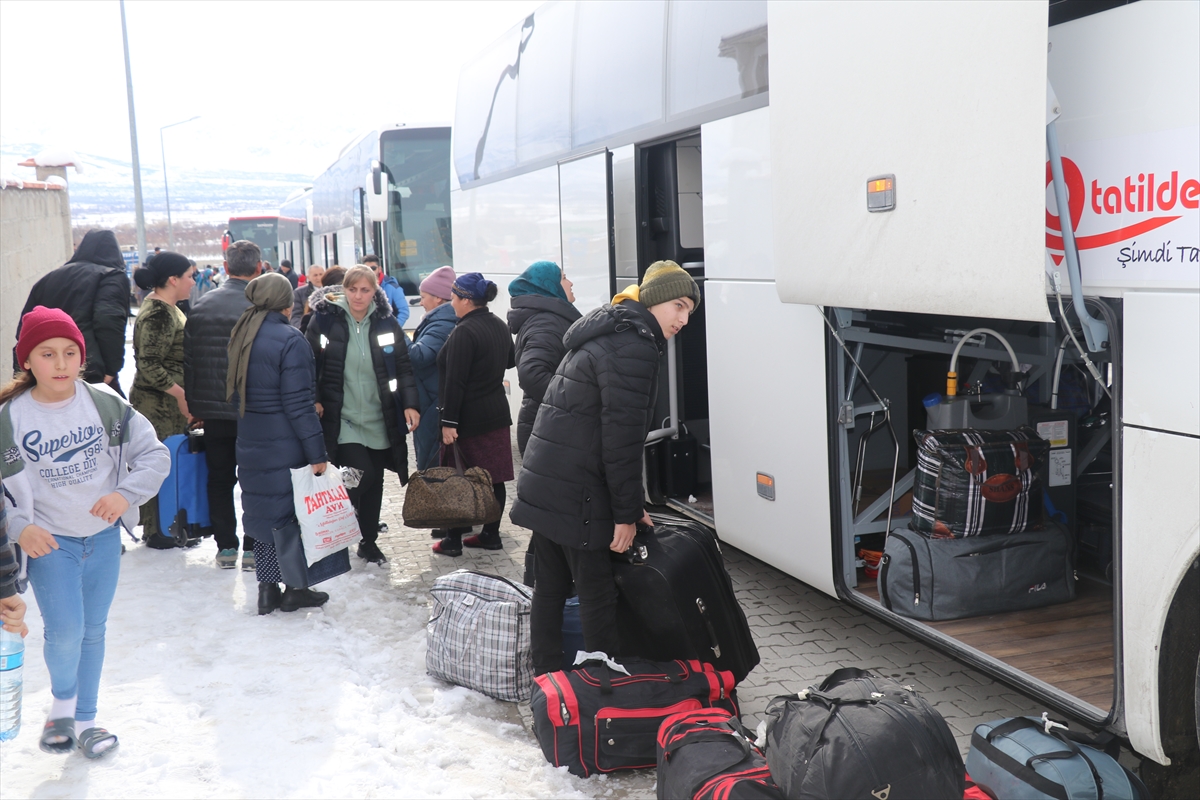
327,520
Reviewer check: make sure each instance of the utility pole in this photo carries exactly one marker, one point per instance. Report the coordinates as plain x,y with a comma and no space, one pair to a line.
137,167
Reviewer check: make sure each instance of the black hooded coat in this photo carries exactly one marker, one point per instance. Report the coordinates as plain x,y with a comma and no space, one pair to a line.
539,323
93,287
582,470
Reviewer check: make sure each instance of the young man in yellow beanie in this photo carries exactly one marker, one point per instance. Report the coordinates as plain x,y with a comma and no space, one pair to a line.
580,487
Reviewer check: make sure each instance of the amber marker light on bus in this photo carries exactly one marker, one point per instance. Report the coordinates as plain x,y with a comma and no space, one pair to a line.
766,486
881,193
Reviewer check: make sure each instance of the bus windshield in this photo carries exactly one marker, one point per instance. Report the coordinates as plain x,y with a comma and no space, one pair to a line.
418,224
263,231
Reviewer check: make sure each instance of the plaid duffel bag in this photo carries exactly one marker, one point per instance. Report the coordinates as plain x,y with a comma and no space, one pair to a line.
478,634
977,483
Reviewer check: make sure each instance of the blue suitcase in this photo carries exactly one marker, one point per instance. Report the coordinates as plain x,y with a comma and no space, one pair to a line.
183,498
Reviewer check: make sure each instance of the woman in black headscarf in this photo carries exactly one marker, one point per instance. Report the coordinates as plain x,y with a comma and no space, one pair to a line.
271,371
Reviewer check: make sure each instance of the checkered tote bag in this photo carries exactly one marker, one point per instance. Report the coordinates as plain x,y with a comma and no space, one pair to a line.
478,634
977,483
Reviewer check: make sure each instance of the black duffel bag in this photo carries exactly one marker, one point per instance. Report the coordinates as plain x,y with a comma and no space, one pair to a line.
858,735
708,754
600,719
936,579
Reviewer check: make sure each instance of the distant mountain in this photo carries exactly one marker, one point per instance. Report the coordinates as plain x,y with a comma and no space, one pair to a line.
103,192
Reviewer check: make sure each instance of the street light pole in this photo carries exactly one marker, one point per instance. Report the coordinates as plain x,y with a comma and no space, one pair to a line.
166,191
137,168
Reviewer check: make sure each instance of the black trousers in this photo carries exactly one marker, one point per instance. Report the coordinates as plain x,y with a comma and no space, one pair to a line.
560,570
491,527
367,497
220,454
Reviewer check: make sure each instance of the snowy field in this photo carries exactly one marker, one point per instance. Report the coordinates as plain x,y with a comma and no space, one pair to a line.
210,700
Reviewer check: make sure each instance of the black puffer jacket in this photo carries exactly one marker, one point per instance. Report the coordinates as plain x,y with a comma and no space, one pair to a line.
329,335
582,471
205,349
93,288
539,323
471,374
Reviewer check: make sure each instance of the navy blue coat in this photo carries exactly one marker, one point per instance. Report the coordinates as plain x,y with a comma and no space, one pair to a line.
279,432
427,342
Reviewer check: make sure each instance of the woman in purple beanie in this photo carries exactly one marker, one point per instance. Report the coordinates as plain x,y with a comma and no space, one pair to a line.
428,340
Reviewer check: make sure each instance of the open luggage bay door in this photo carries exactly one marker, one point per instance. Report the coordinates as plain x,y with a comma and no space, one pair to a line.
908,156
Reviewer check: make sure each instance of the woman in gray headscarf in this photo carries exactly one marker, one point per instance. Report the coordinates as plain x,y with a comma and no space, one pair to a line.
271,371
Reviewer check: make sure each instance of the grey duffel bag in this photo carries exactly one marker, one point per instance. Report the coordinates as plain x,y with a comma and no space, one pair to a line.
936,579
478,634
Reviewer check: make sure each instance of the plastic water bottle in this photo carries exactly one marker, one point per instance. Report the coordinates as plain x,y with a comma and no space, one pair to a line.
12,660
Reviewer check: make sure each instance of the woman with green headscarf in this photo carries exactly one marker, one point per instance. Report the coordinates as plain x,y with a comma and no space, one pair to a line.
272,375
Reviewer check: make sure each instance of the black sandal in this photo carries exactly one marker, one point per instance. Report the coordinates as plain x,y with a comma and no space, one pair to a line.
63,728
90,738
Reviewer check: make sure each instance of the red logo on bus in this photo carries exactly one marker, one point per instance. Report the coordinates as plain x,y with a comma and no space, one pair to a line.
1145,193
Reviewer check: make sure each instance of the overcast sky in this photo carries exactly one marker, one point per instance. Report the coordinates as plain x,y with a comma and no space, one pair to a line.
278,86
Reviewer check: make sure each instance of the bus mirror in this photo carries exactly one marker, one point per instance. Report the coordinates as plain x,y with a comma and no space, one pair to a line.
308,213
377,193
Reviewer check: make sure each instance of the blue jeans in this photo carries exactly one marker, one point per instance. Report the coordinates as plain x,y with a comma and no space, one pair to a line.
74,586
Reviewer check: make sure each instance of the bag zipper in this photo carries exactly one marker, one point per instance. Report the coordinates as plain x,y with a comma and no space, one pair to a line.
916,569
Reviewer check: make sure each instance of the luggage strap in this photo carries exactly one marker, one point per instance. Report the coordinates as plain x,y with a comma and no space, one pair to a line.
712,736
1026,772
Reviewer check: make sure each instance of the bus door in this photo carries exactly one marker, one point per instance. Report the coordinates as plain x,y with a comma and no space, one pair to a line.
670,227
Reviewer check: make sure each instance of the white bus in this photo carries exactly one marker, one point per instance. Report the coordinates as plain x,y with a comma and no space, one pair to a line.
608,135
295,229
387,194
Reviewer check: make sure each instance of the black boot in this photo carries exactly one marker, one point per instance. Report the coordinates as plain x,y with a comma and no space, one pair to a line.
268,597
295,599
371,552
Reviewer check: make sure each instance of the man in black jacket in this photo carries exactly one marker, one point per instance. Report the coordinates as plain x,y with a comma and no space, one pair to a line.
580,488
93,287
205,362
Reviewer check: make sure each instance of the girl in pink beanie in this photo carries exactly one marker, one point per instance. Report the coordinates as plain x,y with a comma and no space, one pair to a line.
76,459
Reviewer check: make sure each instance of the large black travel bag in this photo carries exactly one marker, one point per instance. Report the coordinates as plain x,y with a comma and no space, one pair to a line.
604,716
977,483
709,755
1025,758
936,579
858,735
675,599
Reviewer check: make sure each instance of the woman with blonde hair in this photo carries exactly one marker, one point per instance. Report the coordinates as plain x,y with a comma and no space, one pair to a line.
366,392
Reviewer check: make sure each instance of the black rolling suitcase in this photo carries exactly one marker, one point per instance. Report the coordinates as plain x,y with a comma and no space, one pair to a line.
675,600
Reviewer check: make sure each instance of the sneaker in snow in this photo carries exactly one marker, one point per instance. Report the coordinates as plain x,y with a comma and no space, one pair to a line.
248,561
227,559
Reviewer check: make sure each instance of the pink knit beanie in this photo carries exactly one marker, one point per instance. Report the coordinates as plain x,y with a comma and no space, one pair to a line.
439,282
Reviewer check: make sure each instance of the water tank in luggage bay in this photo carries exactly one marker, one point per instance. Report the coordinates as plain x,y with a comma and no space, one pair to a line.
985,412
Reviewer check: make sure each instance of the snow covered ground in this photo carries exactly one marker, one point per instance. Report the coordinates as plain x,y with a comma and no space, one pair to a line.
210,700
